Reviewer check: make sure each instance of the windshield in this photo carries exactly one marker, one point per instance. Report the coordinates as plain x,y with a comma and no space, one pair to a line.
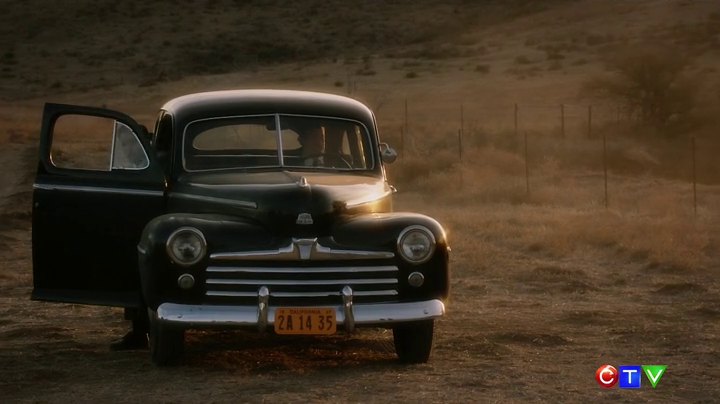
267,141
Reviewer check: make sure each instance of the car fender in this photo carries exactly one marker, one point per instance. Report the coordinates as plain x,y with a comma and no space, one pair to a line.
159,275
380,231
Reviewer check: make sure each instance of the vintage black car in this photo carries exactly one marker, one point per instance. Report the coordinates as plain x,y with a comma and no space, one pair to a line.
264,209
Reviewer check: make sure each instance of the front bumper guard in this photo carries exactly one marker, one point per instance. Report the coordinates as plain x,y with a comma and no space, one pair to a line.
263,316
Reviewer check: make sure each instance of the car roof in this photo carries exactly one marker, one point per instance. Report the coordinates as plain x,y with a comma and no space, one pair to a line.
191,107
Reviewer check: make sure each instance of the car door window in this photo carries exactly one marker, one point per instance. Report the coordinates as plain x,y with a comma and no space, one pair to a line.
82,142
85,142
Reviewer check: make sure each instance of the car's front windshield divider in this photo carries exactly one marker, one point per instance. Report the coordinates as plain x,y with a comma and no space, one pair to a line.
278,131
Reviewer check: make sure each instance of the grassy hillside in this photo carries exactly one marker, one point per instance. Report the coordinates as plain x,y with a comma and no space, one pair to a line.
85,44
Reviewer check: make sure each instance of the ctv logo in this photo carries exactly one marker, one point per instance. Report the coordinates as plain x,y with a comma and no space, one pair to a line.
628,377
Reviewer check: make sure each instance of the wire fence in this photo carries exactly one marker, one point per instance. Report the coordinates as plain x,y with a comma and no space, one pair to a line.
583,139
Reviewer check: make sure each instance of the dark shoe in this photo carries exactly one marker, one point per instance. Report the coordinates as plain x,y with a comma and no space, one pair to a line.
130,341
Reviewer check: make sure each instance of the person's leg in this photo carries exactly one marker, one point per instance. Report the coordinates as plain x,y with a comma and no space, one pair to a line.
136,338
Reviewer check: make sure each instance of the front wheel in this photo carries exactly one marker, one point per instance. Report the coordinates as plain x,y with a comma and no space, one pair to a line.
413,341
166,343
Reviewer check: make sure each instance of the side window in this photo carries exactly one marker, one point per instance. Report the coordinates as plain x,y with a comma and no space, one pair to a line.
127,151
84,142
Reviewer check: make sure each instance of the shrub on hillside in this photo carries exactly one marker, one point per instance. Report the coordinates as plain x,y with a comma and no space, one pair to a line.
651,84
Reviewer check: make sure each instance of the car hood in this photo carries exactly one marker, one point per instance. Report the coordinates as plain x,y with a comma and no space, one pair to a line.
292,203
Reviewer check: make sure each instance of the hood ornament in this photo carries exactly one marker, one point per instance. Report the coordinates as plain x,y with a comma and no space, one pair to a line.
304,219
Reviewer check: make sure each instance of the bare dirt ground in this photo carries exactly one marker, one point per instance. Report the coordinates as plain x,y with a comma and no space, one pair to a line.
545,289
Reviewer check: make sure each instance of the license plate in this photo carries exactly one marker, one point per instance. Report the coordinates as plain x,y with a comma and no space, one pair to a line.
305,321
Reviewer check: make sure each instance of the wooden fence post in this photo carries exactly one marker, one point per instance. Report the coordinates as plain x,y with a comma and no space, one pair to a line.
527,168
605,170
406,116
461,131
694,179
460,144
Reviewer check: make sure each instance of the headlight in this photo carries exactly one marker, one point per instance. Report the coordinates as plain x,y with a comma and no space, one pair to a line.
416,244
186,246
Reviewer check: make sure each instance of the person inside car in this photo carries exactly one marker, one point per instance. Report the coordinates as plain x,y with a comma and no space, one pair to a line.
312,146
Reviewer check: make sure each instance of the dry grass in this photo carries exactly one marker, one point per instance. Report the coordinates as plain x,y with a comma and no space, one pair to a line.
673,240
649,219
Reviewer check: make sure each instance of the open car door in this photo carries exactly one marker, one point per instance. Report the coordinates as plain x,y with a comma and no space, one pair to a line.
96,187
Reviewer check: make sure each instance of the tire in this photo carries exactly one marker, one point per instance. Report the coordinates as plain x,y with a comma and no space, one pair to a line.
413,341
166,343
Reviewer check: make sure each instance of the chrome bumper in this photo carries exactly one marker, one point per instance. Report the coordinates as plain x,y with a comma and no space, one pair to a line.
347,315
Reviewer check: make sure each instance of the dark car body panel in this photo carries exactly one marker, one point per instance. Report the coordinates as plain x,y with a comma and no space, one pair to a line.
276,198
86,224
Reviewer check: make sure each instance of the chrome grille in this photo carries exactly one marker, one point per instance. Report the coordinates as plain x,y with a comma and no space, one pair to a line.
307,285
